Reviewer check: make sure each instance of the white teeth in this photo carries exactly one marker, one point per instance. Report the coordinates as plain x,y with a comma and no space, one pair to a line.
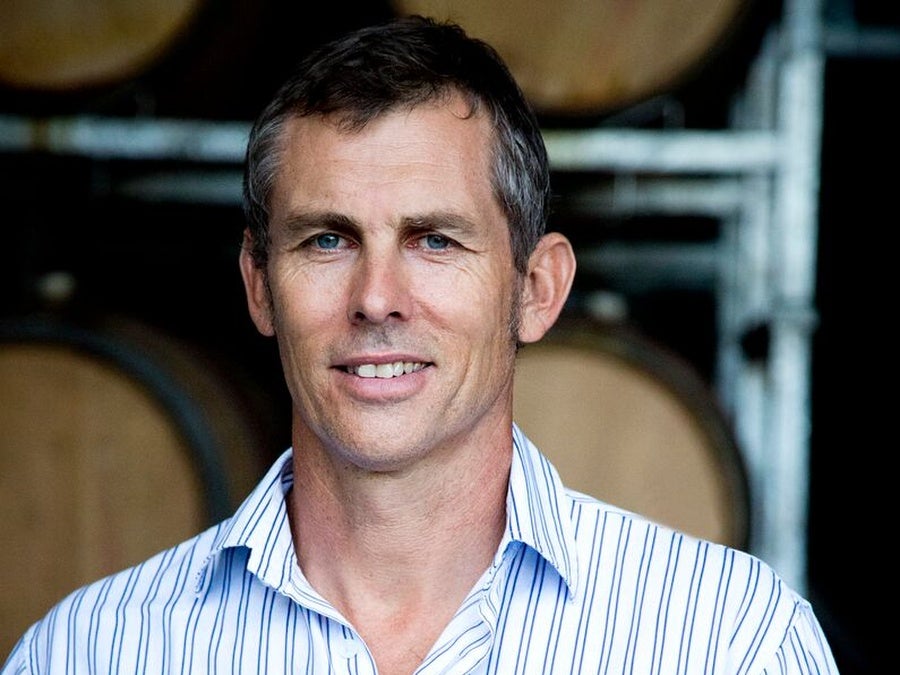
366,371
386,370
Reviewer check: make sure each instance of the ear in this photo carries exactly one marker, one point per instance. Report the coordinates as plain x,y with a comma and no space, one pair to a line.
551,271
259,300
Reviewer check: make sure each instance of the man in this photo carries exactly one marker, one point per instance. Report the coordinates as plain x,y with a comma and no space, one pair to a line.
396,194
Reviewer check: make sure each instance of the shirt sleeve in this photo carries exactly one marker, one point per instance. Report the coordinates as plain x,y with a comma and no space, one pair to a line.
804,649
17,661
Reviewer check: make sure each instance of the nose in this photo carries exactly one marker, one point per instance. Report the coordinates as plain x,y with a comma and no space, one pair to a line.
379,289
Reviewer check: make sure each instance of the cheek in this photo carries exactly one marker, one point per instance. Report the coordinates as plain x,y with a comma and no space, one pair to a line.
300,320
301,345
480,302
306,297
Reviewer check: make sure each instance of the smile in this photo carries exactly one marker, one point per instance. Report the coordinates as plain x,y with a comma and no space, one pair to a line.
385,370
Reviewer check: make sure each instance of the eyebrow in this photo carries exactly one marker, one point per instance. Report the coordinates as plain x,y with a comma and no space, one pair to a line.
318,220
445,221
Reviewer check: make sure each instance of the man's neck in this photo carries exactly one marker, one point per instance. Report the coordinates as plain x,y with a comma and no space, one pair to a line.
397,552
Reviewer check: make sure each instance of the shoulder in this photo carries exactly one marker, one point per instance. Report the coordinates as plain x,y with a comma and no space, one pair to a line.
89,619
703,592
94,627
620,537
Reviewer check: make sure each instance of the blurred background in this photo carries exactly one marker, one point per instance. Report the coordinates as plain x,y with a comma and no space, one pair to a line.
722,166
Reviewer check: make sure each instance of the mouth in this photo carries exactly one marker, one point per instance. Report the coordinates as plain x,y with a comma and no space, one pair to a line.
385,371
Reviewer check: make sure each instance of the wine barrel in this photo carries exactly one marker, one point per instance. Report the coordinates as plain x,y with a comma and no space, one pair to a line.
627,421
63,45
118,441
584,58
208,59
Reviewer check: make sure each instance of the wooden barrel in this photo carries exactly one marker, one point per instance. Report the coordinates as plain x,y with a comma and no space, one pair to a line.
61,45
117,442
210,59
629,422
581,58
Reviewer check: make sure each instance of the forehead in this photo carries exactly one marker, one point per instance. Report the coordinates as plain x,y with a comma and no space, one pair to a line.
435,156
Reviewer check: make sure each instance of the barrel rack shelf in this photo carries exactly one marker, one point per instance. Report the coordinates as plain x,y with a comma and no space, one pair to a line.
759,178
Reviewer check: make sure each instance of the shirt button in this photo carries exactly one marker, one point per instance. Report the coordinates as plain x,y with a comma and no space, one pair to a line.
346,647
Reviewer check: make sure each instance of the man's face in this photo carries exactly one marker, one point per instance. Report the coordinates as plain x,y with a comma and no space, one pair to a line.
393,289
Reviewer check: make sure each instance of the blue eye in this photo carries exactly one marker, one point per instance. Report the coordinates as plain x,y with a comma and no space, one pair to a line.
327,240
436,241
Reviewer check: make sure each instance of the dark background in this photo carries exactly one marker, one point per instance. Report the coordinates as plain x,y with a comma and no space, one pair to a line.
173,265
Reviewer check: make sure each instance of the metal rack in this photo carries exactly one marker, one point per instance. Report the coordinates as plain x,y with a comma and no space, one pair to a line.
760,178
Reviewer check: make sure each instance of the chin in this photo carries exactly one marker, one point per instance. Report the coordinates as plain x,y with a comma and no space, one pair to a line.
381,451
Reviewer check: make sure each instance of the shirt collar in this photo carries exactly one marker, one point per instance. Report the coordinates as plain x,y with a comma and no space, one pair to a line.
538,512
538,515
260,524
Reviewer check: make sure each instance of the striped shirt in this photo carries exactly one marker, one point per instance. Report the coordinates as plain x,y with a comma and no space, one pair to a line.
576,586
